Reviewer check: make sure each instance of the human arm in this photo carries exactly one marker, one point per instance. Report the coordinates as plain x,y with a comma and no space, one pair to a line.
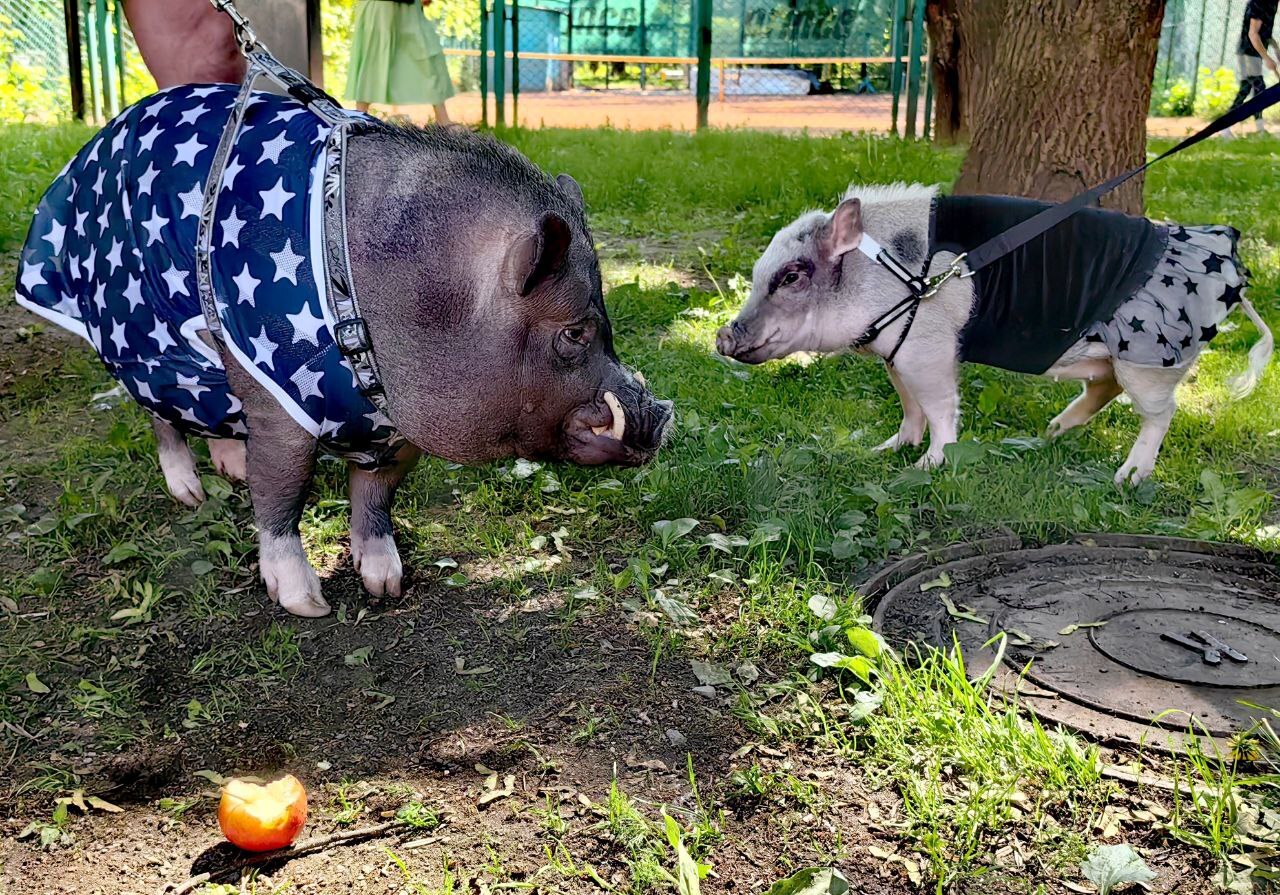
185,41
1255,38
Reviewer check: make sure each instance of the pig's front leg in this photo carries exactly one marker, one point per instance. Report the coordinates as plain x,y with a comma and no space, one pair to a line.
373,545
911,432
280,458
932,382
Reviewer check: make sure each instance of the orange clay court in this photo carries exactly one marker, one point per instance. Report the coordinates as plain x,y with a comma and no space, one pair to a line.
657,109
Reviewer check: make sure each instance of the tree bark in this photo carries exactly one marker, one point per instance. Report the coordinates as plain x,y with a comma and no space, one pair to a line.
1052,94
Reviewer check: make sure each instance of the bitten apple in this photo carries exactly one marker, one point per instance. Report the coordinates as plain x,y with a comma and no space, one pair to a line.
262,818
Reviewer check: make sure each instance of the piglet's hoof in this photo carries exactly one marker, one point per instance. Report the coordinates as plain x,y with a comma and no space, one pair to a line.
293,584
378,562
229,458
184,485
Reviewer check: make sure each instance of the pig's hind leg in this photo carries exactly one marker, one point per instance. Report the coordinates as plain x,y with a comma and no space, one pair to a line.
1153,391
373,545
178,464
229,458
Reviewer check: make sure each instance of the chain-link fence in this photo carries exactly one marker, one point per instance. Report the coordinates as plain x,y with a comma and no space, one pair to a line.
1196,67
825,65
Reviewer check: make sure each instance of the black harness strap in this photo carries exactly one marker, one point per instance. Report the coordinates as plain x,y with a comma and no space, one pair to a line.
964,266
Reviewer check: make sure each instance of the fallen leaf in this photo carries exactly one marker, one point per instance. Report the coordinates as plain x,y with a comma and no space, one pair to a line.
1071,629
1109,866
963,613
34,684
509,785
943,580
212,776
710,675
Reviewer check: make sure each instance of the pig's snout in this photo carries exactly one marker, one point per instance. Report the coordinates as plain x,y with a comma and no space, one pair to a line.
740,343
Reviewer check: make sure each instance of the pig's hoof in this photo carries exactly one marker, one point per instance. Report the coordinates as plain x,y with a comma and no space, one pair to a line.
228,455
930,461
895,443
183,483
378,562
1133,474
293,584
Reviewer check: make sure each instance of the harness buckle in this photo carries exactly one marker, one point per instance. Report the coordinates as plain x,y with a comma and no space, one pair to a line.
352,337
955,270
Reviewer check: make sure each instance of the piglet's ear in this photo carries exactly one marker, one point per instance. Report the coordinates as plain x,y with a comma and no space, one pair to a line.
570,188
844,231
537,256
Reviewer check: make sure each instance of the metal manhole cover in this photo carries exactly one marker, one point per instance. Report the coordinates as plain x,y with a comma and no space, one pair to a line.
1113,635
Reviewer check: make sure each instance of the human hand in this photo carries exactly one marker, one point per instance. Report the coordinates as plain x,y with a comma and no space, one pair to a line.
1271,63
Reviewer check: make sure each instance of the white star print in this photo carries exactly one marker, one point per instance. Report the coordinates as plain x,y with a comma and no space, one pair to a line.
117,337
329,427
192,201
189,416
90,265
160,335
238,428
32,276
67,305
176,280
192,385
143,390
271,150
306,326
263,349
152,364
149,138
274,199
81,217
57,232
231,226
192,115
186,152
97,184
148,177
155,108
93,152
287,262
378,420
133,292
117,141
286,114
104,219
202,92
308,382
229,173
246,283
73,266
100,298
153,226
113,256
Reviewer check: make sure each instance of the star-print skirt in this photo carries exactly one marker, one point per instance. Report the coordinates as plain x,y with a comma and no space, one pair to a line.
1193,288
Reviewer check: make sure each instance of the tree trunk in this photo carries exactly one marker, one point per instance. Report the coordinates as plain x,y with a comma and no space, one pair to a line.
1052,94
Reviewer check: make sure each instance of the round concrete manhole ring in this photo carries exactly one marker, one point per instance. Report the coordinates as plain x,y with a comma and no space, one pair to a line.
1129,639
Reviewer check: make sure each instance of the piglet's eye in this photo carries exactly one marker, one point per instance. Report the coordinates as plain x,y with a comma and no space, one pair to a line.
576,334
790,279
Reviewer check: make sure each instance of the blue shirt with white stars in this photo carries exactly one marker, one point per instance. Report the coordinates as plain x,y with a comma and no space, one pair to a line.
111,257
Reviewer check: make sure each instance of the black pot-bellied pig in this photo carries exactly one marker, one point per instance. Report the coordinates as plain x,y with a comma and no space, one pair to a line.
1119,302
477,281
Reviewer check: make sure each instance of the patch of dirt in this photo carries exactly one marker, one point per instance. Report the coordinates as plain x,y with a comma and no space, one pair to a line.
564,706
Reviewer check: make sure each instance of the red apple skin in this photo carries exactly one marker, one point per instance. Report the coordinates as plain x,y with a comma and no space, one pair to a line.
245,830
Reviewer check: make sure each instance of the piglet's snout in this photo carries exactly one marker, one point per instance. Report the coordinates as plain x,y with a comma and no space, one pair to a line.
731,339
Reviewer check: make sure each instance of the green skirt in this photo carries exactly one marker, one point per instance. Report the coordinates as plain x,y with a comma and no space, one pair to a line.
396,58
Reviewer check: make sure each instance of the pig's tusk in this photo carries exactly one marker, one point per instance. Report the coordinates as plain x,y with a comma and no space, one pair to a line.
619,425
639,378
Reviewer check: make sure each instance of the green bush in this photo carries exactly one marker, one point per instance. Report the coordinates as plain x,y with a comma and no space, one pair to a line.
1215,92
28,92
1174,101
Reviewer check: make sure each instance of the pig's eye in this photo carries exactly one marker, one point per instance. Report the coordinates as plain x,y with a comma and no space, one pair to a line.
790,279
577,335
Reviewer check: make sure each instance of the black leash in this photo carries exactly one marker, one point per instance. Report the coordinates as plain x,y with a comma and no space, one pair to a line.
966,265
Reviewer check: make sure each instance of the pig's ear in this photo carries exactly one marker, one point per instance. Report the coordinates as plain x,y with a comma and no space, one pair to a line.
570,188
844,231
540,254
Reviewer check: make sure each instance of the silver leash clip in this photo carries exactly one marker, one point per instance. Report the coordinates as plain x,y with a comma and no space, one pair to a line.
245,35
954,271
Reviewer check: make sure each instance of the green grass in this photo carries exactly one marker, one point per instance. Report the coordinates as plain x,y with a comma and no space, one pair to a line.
773,464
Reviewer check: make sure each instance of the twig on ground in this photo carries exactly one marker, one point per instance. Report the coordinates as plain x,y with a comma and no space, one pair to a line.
296,851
